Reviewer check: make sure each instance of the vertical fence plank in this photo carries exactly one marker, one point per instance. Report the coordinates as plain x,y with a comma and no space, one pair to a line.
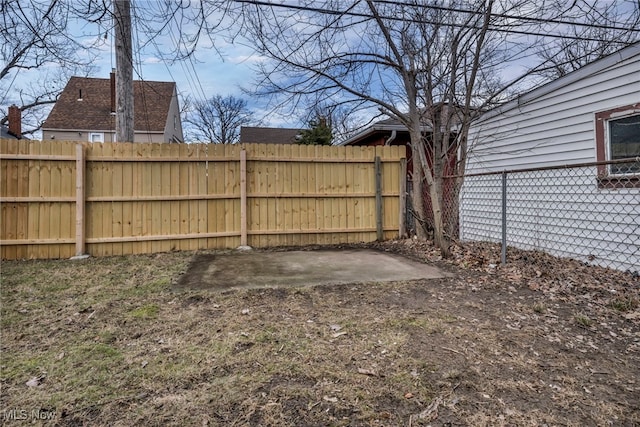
45,207
80,194
295,187
137,182
9,211
108,189
203,184
126,206
243,197
342,203
270,178
174,190
378,178
149,215
118,190
402,214
184,189
21,210
325,186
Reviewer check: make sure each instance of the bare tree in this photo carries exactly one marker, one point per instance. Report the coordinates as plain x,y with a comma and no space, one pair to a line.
410,61
218,119
35,35
433,66
601,29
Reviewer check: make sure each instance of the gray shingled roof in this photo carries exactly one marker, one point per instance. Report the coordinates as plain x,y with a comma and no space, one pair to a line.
151,105
262,135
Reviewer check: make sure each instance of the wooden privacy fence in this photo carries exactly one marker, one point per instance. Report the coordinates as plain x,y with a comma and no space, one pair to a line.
60,199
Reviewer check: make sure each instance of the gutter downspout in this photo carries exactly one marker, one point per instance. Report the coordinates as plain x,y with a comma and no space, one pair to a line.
391,138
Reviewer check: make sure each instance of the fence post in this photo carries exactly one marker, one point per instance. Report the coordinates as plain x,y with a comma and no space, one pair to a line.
402,221
378,171
503,256
243,198
80,202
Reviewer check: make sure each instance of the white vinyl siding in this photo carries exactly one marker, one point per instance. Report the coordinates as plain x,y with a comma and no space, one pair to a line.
554,126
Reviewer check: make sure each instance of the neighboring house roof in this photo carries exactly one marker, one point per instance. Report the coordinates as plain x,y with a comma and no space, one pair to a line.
85,104
4,133
588,70
14,124
387,126
382,126
262,135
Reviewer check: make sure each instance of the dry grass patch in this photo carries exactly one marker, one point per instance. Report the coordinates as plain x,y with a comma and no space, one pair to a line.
108,342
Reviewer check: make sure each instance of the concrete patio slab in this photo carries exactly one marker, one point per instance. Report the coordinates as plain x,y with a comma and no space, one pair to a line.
257,269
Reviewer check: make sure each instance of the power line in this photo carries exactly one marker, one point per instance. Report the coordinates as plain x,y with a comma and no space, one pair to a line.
423,21
506,16
142,81
191,74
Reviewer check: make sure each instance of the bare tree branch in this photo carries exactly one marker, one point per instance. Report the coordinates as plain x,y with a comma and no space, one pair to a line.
218,119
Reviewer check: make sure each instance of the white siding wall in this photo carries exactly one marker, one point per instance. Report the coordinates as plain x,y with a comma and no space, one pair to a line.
557,128
172,133
563,212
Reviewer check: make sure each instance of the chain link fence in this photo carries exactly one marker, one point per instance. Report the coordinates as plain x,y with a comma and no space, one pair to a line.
589,212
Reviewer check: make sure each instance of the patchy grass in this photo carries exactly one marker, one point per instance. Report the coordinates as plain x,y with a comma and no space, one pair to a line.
149,311
625,303
583,320
108,342
539,308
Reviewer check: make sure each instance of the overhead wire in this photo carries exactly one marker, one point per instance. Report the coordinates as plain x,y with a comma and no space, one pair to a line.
143,84
192,72
424,21
507,16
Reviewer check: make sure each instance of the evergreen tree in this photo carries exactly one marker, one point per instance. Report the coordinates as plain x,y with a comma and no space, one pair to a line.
319,133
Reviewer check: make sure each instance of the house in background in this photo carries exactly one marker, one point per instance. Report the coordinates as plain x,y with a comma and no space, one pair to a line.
85,111
383,132
263,135
589,115
393,132
14,128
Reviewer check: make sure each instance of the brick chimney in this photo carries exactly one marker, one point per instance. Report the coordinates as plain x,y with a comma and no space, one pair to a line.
113,90
15,121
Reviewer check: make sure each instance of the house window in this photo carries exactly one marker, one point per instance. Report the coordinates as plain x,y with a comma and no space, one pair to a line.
96,137
624,142
618,137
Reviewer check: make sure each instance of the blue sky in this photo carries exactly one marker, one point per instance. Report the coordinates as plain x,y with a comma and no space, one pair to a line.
223,70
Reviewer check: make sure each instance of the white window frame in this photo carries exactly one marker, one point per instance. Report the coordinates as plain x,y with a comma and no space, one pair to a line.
603,142
100,136
607,130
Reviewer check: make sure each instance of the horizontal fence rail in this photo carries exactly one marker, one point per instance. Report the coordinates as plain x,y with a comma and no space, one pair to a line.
60,199
589,212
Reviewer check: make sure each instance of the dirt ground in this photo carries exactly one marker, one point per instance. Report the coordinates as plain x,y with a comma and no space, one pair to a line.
110,341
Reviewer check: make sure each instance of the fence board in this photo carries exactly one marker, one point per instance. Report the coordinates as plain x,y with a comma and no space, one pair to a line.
145,198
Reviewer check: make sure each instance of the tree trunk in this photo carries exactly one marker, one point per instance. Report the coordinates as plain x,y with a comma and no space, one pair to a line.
417,198
436,192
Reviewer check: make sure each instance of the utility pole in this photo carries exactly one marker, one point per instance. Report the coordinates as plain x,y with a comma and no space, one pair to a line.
124,71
